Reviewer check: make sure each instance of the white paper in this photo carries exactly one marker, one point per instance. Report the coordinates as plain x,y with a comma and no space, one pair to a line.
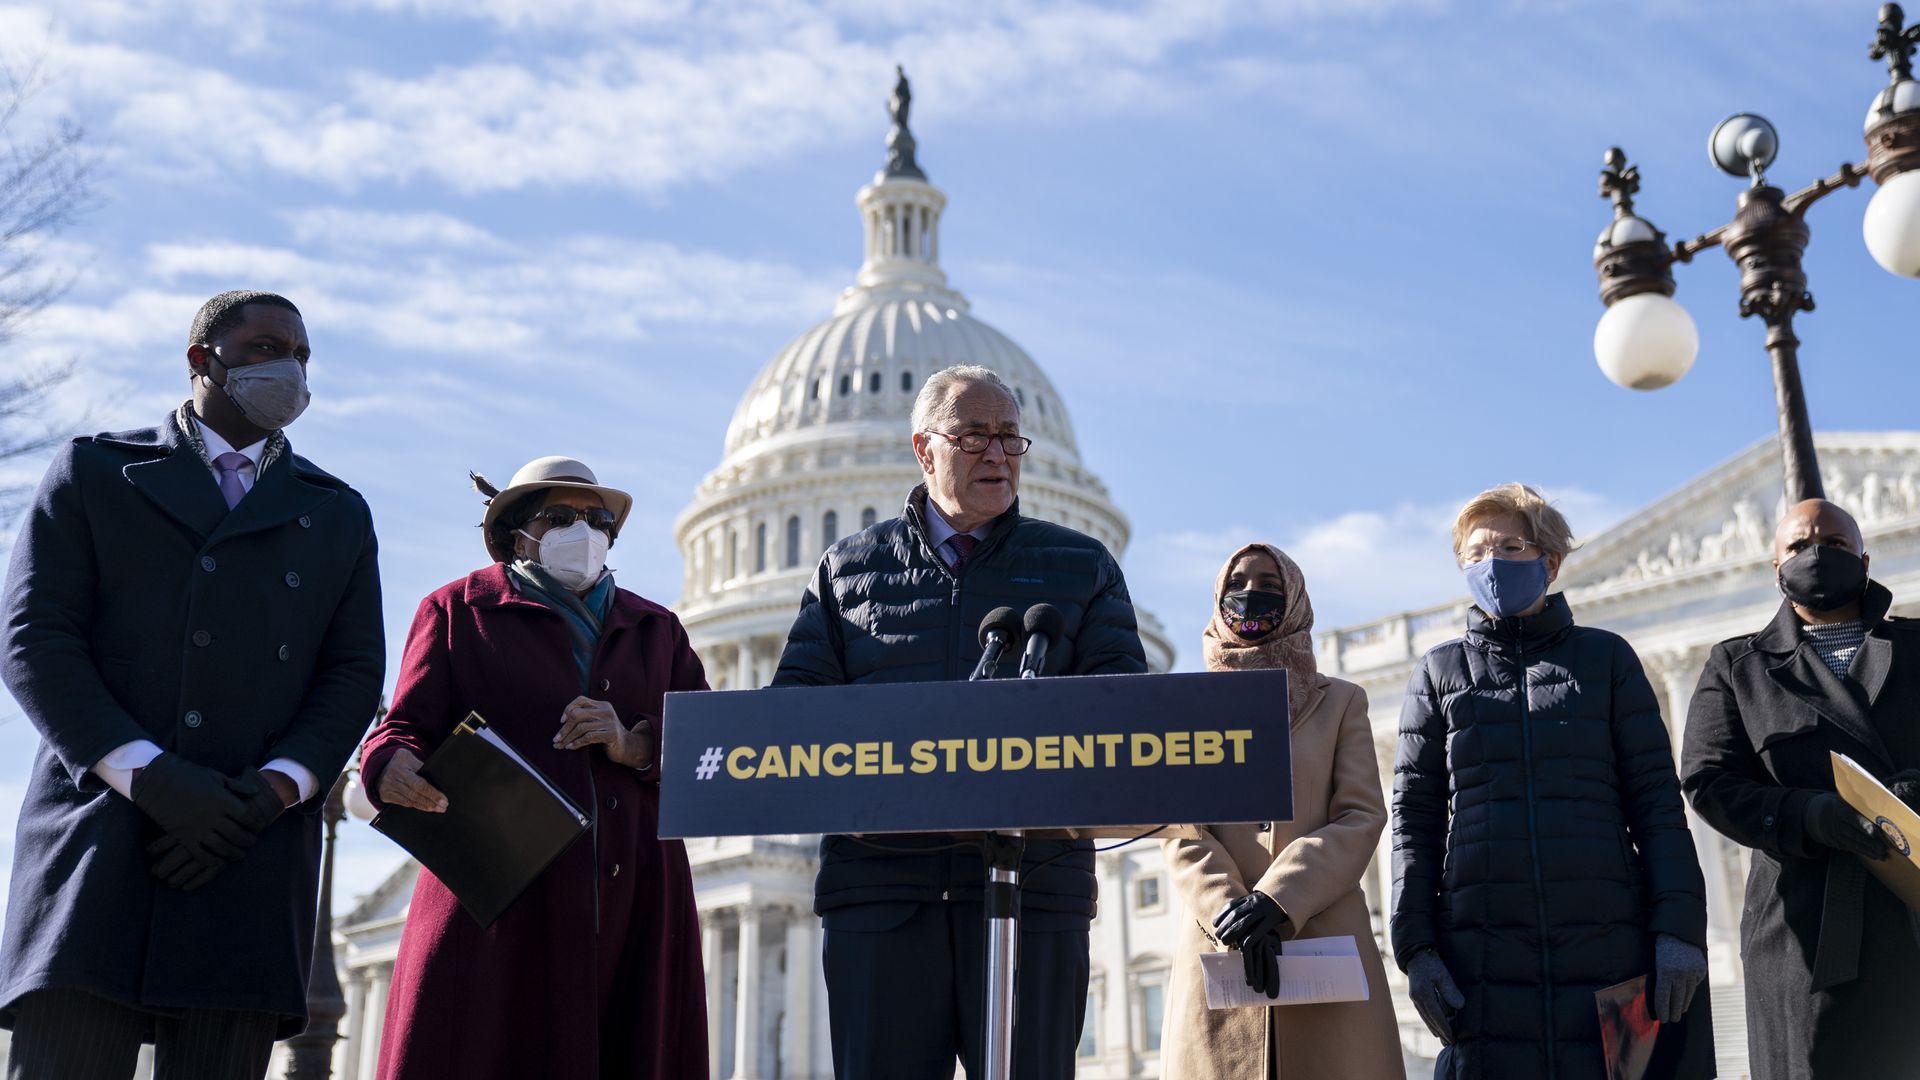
1313,971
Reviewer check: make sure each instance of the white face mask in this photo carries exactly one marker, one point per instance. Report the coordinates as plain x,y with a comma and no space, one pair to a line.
574,555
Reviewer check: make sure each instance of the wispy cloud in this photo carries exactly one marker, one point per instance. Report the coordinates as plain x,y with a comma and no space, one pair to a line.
678,95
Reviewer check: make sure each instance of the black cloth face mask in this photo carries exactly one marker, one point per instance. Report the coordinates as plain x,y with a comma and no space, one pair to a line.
1253,613
1823,578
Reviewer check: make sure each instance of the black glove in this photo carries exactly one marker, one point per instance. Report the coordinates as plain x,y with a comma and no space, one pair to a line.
1254,915
1830,821
1261,956
194,807
1435,997
180,869
1905,785
1678,971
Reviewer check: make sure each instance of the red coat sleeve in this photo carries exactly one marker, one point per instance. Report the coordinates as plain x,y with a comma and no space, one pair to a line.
422,714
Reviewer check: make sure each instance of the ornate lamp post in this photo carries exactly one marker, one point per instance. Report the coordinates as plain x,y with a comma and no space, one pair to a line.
1646,340
312,1049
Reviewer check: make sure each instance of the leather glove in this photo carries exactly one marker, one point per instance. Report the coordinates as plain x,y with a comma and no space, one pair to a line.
1435,997
1830,821
1905,784
1261,956
194,807
1678,971
1254,915
261,801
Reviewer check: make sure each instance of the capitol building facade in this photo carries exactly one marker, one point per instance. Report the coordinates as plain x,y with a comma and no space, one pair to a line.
818,448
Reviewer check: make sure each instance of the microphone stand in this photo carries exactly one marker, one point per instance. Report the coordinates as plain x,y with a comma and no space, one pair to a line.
1003,852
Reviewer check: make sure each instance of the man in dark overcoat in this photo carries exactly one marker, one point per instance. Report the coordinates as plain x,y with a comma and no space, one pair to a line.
902,602
192,623
1832,961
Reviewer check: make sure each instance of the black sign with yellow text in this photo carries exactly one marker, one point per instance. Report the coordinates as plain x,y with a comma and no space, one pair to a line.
1072,752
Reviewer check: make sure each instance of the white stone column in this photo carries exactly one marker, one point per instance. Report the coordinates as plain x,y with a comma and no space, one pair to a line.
377,980
803,957
746,1028
712,948
355,1029
743,667
1680,673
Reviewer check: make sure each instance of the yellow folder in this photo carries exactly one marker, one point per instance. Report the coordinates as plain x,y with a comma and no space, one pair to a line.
1899,826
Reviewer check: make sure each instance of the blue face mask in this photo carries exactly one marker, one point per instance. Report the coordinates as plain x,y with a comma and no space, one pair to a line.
1504,588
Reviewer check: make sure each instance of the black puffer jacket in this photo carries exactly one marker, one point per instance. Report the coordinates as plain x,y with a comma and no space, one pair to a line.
1539,838
883,607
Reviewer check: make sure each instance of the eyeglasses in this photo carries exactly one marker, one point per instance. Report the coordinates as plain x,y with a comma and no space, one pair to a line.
974,442
1510,547
559,517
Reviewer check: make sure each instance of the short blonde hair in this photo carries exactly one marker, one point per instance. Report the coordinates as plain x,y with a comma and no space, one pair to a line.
1548,526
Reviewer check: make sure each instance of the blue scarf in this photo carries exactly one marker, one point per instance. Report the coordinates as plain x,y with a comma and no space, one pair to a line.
584,615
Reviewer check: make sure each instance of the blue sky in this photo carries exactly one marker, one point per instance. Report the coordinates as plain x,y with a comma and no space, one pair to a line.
1308,271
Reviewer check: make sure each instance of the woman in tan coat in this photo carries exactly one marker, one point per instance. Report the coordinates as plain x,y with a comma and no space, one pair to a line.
1296,879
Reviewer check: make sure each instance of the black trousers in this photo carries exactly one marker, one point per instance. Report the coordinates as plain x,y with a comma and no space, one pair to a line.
905,991
71,1035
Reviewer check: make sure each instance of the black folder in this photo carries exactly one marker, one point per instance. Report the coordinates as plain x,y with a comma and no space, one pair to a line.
504,824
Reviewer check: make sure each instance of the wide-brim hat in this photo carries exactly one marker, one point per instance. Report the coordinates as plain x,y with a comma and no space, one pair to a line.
539,475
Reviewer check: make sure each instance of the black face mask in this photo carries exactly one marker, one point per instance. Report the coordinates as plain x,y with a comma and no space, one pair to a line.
1253,613
1823,578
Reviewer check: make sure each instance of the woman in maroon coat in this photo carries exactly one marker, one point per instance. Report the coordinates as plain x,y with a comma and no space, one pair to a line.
594,973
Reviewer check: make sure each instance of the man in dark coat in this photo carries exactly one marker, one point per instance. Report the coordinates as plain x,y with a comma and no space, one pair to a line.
1832,963
192,622
902,602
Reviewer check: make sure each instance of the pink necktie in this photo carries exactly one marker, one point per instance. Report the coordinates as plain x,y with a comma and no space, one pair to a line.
228,467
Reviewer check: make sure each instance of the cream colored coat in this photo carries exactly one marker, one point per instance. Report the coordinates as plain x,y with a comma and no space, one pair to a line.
1312,867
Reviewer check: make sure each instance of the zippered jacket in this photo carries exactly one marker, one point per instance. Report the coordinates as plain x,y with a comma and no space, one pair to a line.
884,607
1539,838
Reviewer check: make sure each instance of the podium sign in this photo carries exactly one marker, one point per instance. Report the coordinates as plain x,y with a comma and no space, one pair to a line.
1070,752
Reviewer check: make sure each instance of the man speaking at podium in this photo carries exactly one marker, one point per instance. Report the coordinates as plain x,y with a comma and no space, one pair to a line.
902,601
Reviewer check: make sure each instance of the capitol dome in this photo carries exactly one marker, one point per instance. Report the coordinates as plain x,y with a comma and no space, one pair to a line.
818,447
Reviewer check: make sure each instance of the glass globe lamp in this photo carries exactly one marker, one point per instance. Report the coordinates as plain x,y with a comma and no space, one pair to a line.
1646,341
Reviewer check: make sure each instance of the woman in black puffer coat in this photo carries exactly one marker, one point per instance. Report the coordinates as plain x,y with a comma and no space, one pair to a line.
1541,850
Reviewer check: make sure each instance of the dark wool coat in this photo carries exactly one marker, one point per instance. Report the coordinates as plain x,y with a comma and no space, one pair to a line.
1833,970
594,972
883,607
1539,839
139,607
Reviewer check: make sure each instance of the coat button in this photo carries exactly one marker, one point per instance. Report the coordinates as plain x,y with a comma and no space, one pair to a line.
207,563
202,638
613,803
306,522
293,580
606,685
284,653
616,870
192,719
1767,821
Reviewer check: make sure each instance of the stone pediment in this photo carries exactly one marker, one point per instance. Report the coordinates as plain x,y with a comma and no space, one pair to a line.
1724,519
388,900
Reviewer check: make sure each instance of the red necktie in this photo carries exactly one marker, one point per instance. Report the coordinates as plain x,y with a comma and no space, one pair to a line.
962,545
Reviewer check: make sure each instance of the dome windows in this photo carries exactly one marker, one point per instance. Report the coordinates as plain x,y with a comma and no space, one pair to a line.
867,517
760,548
906,382
829,529
793,541
846,385
873,383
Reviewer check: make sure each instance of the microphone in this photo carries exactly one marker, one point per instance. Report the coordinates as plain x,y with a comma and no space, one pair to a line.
1044,624
999,631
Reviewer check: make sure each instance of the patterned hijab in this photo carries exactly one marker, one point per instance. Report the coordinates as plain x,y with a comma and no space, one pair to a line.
1290,646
